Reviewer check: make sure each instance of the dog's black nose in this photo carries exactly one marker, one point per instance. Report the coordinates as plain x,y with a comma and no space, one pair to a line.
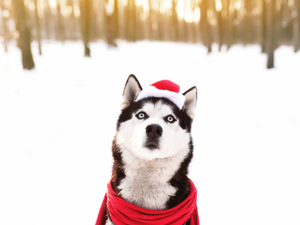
154,130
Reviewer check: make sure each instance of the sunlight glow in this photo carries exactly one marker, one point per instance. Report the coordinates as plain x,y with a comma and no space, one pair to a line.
294,14
255,11
16,35
138,2
7,3
109,6
188,15
210,14
165,7
197,15
184,8
218,5
237,5
145,9
141,3
210,17
145,6
187,10
6,14
31,6
180,9
76,10
68,10
41,7
290,3
52,3
124,3
111,2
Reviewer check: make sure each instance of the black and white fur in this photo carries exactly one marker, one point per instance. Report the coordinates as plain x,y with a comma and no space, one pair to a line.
152,149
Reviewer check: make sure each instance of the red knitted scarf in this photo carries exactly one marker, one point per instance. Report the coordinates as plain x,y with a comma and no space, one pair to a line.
123,212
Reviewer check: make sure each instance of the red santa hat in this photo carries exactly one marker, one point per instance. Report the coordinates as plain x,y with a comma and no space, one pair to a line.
163,89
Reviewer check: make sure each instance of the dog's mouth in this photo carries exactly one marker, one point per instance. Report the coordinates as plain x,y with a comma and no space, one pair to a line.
151,144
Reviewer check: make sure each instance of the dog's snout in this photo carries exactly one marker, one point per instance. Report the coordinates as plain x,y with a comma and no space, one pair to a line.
154,130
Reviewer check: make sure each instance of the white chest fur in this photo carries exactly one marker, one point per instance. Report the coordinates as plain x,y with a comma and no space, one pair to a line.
146,183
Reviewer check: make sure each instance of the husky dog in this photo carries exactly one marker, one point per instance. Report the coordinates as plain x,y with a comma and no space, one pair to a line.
152,148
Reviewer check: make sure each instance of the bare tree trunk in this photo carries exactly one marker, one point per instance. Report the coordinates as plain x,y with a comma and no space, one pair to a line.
71,28
37,25
205,29
150,21
190,25
98,20
160,24
85,9
229,27
174,23
110,25
220,28
60,23
139,24
296,27
116,19
127,21
47,19
248,32
271,33
22,25
194,23
264,27
132,20
184,27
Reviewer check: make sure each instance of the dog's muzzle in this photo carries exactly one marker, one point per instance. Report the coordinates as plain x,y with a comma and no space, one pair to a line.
153,132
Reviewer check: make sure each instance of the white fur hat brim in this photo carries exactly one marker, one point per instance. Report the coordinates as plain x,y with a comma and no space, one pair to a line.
151,91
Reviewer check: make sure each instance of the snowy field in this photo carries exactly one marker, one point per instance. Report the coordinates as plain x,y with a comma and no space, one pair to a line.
57,123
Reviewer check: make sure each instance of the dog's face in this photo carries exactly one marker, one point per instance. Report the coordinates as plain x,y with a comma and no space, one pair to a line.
154,127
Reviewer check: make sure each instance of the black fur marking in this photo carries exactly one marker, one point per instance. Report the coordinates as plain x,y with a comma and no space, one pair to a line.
127,113
142,116
118,167
185,121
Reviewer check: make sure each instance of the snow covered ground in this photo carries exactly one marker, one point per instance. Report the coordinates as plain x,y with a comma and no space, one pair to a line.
57,123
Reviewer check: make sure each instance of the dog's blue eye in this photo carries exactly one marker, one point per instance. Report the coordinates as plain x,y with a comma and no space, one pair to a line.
170,119
141,115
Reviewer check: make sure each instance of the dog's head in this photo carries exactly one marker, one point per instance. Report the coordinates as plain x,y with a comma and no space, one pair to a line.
154,127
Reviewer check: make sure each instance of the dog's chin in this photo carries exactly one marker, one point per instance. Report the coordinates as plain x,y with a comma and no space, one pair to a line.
149,152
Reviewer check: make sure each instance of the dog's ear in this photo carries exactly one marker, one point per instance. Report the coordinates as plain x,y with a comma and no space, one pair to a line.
190,102
131,91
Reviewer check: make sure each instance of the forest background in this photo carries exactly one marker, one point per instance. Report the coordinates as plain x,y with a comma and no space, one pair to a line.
269,23
57,121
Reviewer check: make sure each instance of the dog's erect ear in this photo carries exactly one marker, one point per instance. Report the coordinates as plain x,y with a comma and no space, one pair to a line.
131,90
190,102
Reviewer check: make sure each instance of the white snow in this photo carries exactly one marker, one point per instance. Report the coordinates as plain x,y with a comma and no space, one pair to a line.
57,123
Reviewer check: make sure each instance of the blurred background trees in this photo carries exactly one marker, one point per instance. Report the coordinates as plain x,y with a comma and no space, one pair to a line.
269,23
